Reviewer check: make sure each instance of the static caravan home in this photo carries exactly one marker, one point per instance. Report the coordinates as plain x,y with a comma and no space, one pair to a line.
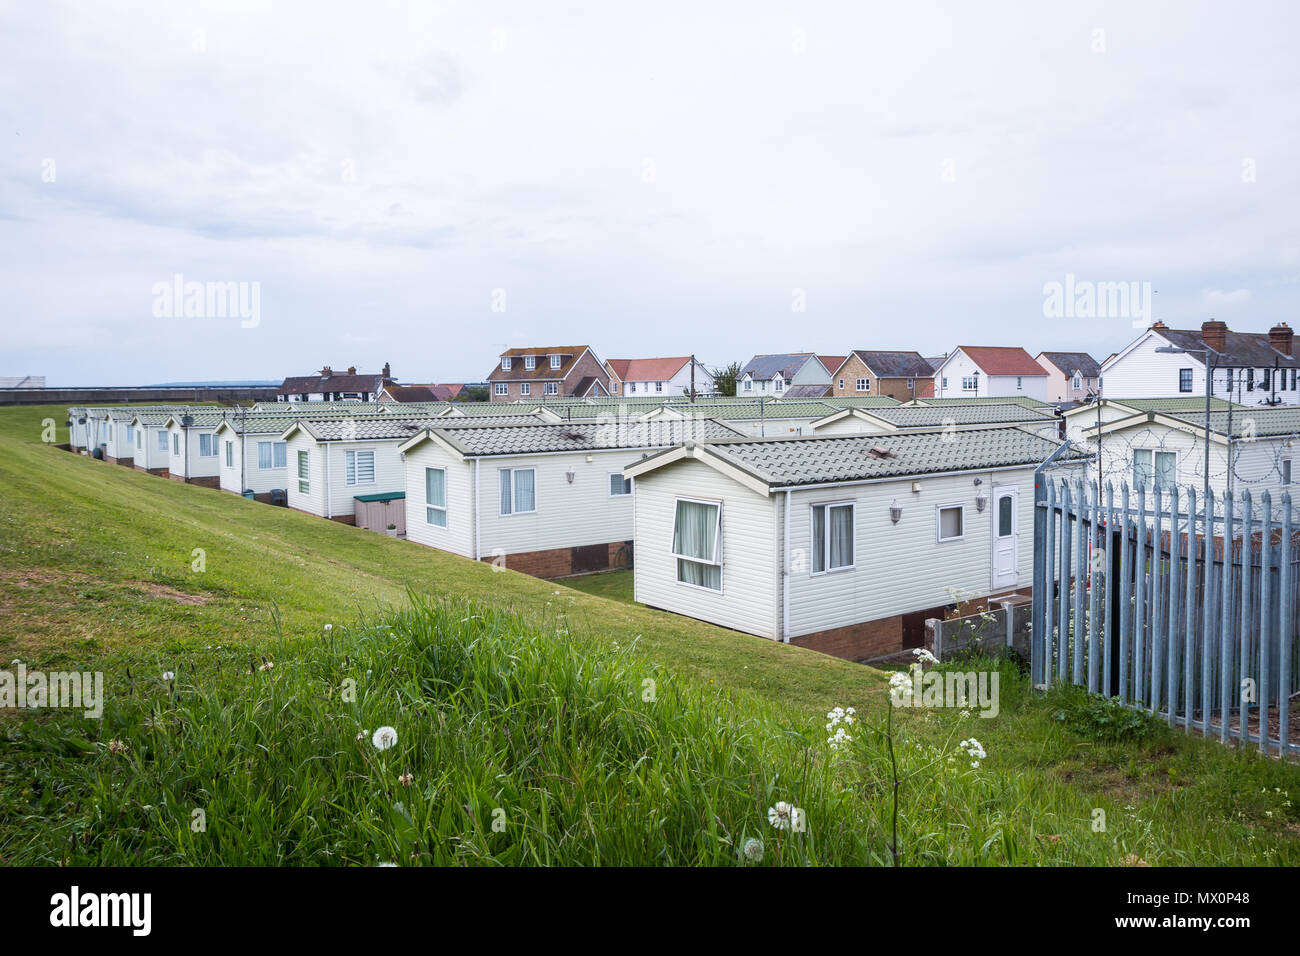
153,441
844,544
876,421
545,499
77,440
119,436
192,447
252,455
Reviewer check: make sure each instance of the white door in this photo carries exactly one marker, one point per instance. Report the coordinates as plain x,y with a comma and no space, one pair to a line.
1005,536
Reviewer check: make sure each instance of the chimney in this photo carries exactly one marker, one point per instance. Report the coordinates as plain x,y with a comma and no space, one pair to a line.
388,372
326,372
1215,335
352,370
1279,336
1157,324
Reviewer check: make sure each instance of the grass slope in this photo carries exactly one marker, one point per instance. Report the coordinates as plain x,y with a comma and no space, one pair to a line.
98,568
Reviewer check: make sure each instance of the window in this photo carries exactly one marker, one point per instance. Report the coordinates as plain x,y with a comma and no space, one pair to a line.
304,474
130,434
911,384
435,497
945,382
162,441
1184,380
697,543
969,383
749,384
505,363
841,385
1078,382
1286,471
230,454
613,387
518,490
530,362
952,522
618,485
632,388
552,388
1264,379
139,439
271,454
359,467
208,446
1250,380
1020,382
832,537
525,388
557,361
1154,467
1006,516
778,384
501,388
659,386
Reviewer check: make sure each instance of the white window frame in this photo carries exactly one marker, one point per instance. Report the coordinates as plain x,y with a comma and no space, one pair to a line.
230,454
525,388
717,546
826,545
162,440
1286,468
659,386
778,384
632,386
557,361
304,472
513,496
938,523
969,383
841,385
501,388
530,362
430,507
505,363
626,483
350,459
911,384
863,384
214,446
749,385
552,388
613,388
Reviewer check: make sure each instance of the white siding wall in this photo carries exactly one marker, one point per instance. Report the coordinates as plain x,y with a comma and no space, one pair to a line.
903,567
314,500
1003,386
260,480
849,425
568,515
389,473
149,456
458,536
954,370
199,466
751,568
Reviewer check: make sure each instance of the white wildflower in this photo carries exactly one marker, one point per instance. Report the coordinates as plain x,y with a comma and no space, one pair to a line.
783,815
384,738
974,750
168,675
924,656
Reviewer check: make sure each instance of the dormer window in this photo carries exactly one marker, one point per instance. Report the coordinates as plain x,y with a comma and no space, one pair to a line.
778,384
505,363
749,384
557,361
530,362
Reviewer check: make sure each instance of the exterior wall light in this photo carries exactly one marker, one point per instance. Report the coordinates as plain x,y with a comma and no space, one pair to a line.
895,512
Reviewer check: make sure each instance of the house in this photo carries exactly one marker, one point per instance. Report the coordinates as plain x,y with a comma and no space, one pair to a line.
875,421
1252,368
253,456
545,499
1251,449
1071,376
898,375
330,386
571,371
153,440
119,436
773,374
844,544
658,377
192,447
405,394
984,371
77,440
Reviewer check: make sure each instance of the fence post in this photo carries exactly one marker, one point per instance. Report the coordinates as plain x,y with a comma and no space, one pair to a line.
1265,613
935,627
1007,607
1285,617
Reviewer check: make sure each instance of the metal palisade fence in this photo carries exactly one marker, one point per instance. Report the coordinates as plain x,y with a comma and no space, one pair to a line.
1174,602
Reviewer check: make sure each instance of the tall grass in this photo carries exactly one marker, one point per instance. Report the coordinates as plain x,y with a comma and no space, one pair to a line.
514,745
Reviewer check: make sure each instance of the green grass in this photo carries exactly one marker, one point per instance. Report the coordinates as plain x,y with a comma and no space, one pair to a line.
512,693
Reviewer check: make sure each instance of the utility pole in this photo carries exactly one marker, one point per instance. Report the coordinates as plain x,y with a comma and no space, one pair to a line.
692,379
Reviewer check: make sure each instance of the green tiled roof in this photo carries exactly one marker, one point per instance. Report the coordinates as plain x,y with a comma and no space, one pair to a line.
933,417
786,462
1024,400
1260,422
387,427
1169,404
580,436
860,401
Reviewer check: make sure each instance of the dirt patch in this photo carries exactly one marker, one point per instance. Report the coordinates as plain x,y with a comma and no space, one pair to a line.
171,594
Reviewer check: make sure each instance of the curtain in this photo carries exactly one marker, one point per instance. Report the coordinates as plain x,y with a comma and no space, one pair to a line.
819,539
841,536
505,491
1142,473
435,487
281,454
525,490
1166,468
265,457
695,532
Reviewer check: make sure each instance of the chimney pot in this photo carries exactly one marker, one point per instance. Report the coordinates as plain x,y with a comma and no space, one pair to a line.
326,372
1158,324
1215,334
1279,336
352,370
388,372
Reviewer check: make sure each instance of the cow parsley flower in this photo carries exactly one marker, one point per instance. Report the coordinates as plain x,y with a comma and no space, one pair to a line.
384,738
900,686
924,656
838,722
974,750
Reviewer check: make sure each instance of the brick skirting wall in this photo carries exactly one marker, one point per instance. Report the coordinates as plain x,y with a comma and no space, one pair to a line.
160,472
208,481
560,562
127,462
869,639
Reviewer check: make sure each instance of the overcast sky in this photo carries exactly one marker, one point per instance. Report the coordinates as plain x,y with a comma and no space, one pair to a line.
649,179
